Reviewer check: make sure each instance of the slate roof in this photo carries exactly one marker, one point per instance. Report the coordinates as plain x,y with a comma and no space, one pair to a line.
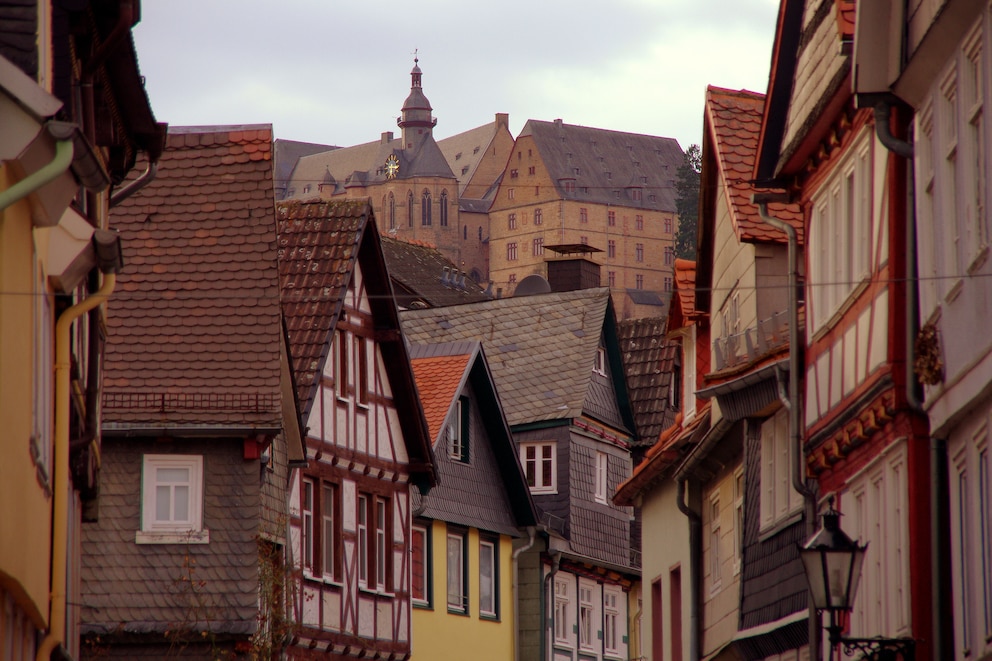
287,155
648,360
199,294
541,348
416,269
607,161
733,119
320,244
490,491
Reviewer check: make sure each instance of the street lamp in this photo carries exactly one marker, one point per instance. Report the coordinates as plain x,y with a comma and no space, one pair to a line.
833,562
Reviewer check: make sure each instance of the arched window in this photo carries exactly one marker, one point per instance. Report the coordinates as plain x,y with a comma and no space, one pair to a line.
465,232
480,232
444,208
392,212
409,208
425,209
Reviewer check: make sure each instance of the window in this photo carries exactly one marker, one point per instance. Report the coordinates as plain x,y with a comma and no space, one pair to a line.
531,170
874,508
341,385
669,255
511,251
511,279
583,215
611,249
611,218
306,516
363,540
587,627
409,209
43,433
636,194
458,431
362,368
639,222
584,240
715,557
381,543
457,578
563,624
538,217
172,499
306,189
480,232
611,620
513,173
778,498
639,281
464,232
392,212
537,189
668,283
842,227
689,373
599,367
675,612
488,578
639,252
329,530
738,519
539,461
539,246
425,209
509,193
602,463
420,565
511,221
611,277
569,185
443,209
668,226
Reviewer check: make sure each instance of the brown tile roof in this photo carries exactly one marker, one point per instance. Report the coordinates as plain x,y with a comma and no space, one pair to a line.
194,327
685,286
648,360
734,118
318,247
438,380
417,268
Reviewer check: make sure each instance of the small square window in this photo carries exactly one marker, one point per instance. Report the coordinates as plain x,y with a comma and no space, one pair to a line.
172,499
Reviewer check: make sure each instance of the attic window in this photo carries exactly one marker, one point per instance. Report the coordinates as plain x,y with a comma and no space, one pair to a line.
600,366
458,156
475,151
465,170
306,189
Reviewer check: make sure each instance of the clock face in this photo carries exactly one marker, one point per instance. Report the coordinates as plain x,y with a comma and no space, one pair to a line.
392,166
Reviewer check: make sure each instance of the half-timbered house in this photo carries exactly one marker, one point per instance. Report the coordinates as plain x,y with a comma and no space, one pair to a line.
842,157
464,561
367,441
556,361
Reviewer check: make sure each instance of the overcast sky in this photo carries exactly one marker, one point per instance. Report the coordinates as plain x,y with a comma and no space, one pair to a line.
337,71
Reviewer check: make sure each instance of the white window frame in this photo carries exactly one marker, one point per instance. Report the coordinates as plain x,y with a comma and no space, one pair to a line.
328,515
587,615
363,540
381,542
456,428
487,603
599,367
563,598
544,452
779,501
688,373
738,519
187,530
611,620
307,496
455,571
875,506
602,476
842,231
716,559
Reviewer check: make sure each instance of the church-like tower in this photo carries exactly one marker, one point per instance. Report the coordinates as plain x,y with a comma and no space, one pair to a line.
416,120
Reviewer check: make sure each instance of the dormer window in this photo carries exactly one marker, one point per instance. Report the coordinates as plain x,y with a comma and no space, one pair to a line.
457,431
600,365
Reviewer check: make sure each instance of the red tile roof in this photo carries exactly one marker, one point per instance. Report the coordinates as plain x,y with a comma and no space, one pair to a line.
438,379
194,327
734,118
685,286
318,247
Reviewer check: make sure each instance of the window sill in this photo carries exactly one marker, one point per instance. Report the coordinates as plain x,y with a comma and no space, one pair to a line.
779,525
487,617
455,611
422,605
376,591
326,580
172,537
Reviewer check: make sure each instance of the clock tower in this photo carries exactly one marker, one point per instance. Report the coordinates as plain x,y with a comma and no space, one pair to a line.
416,121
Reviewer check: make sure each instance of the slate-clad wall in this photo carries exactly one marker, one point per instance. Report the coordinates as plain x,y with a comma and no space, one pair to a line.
530,583
598,530
471,494
274,482
601,400
773,584
554,505
132,588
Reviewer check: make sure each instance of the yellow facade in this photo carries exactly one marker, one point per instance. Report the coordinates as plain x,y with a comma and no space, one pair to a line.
25,515
440,634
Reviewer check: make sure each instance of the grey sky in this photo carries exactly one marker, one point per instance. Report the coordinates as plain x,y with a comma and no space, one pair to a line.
337,71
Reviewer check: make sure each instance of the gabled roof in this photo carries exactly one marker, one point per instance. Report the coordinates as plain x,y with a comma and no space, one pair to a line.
732,123
320,245
541,348
605,161
417,270
648,359
198,301
470,495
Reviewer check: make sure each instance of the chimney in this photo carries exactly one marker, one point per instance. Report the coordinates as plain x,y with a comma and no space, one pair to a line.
387,137
503,120
573,273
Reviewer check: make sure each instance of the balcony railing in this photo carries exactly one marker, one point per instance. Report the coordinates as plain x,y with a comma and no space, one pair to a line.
743,347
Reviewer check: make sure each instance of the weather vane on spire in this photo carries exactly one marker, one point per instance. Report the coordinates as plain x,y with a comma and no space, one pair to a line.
415,58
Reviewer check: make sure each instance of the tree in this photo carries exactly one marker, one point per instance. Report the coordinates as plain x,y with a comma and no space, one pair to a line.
687,202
